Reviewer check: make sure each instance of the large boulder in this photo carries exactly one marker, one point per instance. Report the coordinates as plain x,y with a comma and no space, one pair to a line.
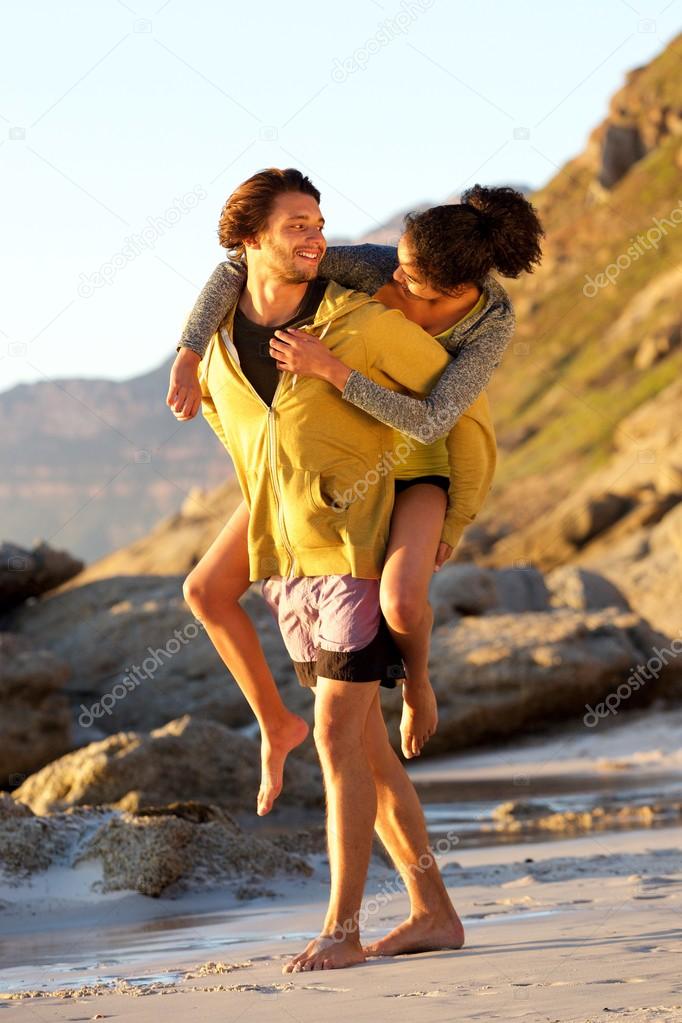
139,658
647,568
35,722
28,573
583,590
187,759
467,589
498,674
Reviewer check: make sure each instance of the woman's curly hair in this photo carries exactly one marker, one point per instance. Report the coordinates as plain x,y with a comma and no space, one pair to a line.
490,229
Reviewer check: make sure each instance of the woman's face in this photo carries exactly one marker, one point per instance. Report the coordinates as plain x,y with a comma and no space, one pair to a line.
409,278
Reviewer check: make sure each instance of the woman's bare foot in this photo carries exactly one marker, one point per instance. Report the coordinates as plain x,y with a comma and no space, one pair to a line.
419,934
327,953
420,716
274,749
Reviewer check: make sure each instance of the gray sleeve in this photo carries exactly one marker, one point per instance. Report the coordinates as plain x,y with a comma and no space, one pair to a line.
460,384
359,267
220,293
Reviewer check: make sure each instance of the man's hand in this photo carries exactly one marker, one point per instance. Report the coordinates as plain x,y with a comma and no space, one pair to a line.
184,392
306,356
442,555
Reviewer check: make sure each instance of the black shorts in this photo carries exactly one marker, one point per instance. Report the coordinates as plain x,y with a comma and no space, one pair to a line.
437,481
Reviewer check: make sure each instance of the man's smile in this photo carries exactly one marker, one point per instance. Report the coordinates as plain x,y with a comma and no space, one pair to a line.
311,255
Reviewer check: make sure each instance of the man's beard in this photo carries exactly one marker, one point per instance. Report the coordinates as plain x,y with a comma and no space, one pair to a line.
282,263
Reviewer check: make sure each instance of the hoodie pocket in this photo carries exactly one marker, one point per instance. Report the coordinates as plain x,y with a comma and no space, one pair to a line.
328,493
334,489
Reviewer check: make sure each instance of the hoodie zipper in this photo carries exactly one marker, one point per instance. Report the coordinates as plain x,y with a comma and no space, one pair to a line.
272,450
272,431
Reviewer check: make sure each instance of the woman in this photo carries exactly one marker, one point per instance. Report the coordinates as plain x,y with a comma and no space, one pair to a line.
443,283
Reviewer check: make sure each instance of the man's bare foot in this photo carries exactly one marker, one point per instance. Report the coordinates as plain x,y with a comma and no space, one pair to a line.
420,717
327,953
419,934
274,749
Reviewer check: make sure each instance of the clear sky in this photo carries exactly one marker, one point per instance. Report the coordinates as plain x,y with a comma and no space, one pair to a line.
125,125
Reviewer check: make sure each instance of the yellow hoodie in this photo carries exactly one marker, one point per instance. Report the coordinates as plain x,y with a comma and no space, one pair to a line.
316,472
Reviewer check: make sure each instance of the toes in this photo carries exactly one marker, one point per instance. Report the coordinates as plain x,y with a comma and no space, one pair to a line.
405,745
294,965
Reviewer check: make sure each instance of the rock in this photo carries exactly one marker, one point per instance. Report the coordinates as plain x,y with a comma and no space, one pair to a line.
668,535
142,854
498,674
35,720
583,590
656,347
186,847
517,809
149,853
29,844
593,517
139,659
187,759
521,589
622,147
25,573
466,589
12,807
647,571
461,589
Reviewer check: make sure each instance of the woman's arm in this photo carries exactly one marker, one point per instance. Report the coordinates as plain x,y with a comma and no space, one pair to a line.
220,294
423,419
359,267
463,380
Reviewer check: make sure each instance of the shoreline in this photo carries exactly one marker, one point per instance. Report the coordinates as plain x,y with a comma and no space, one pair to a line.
595,917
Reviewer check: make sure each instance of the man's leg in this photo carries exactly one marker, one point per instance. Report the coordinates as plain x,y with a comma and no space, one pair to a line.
433,922
340,720
212,590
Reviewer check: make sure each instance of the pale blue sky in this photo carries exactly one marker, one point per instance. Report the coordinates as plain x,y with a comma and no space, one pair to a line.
118,118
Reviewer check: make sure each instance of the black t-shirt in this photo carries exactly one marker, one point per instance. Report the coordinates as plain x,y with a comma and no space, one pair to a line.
252,341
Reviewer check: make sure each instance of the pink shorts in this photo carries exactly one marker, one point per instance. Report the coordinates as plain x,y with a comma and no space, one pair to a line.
332,627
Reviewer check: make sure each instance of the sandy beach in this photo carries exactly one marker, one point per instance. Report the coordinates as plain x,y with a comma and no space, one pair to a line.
570,925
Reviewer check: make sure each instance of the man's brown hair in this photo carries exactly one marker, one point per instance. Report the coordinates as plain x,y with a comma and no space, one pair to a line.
247,210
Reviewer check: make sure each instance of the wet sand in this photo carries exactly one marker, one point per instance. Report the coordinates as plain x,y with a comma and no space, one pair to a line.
569,927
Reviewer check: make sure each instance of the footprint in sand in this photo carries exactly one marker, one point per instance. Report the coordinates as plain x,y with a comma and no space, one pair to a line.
419,994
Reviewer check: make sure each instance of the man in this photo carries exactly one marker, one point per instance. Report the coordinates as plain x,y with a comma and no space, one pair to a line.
295,447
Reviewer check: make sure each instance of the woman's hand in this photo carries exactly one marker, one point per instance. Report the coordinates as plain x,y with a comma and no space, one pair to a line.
184,391
443,554
306,356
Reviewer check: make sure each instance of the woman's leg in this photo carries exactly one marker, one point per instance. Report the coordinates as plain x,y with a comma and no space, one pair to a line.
416,528
212,590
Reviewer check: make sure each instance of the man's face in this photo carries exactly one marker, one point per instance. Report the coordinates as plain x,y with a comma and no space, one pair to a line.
292,243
